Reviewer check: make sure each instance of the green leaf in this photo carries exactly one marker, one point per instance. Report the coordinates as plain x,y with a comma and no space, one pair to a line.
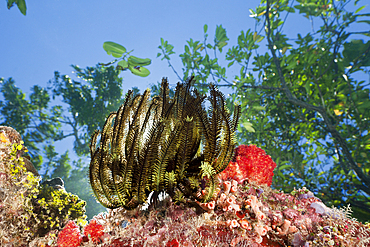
259,108
135,61
231,63
284,167
205,28
123,64
140,71
255,36
221,44
280,174
362,15
259,38
285,48
187,49
321,173
114,49
221,34
22,6
307,87
359,9
291,62
248,126
198,46
10,3
220,37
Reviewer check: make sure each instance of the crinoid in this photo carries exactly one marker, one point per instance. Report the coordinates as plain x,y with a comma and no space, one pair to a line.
165,145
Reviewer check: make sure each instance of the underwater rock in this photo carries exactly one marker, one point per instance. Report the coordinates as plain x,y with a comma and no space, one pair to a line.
56,183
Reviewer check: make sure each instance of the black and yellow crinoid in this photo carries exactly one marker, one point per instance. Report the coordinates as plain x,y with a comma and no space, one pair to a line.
162,145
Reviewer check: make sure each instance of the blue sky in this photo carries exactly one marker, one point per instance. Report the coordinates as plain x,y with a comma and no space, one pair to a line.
55,34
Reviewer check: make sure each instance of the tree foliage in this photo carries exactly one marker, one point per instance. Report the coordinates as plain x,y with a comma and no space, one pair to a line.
300,98
89,100
33,118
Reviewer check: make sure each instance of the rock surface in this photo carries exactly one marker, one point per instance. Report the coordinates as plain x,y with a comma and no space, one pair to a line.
56,183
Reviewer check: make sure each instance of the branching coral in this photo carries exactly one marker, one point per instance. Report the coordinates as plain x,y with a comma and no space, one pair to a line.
156,145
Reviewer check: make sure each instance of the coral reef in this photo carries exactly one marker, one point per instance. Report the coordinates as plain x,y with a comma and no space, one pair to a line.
198,200
17,187
240,213
29,209
250,215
